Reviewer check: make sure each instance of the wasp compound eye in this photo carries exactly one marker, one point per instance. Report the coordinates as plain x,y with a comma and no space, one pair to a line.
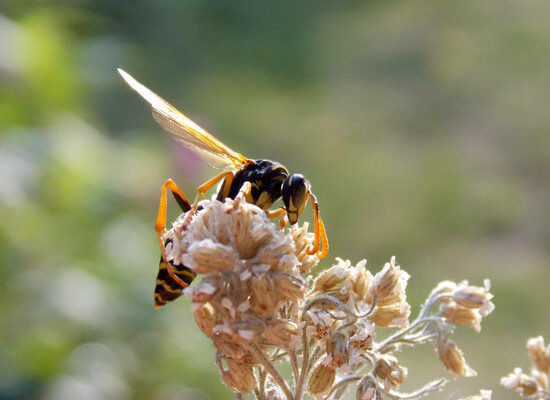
294,194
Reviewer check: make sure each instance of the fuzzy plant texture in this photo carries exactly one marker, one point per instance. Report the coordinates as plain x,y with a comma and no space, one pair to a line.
537,385
282,334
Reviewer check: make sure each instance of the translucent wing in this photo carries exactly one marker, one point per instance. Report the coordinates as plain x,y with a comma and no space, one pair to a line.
185,130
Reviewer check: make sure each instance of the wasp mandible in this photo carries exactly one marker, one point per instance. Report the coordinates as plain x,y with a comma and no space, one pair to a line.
269,181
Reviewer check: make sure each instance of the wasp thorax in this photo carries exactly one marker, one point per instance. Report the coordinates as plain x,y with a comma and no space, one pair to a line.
295,189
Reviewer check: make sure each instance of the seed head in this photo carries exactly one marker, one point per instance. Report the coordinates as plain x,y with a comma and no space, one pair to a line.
394,314
367,389
453,358
338,350
334,278
475,297
388,285
460,315
321,380
520,383
388,369
238,376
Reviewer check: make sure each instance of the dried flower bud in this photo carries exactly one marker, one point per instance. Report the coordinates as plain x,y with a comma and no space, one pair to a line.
321,380
205,316
540,355
319,324
338,350
263,300
396,314
363,337
361,280
248,329
205,290
453,358
461,315
330,279
475,297
227,347
520,383
388,369
208,257
283,333
483,395
367,389
388,285
289,287
238,376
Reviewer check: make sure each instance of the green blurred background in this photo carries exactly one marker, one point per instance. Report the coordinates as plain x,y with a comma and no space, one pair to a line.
422,125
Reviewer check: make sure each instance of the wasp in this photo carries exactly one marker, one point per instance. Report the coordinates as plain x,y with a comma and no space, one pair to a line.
269,181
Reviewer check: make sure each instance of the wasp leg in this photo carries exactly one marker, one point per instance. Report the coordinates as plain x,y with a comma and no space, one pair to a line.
319,230
161,216
202,189
272,214
283,222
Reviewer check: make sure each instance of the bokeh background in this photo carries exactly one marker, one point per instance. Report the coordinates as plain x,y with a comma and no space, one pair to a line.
422,125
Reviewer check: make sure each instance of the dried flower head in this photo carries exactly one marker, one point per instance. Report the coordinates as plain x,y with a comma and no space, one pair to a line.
388,369
520,383
536,385
260,311
540,355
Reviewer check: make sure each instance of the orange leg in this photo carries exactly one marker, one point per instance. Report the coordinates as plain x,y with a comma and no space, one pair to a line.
202,189
319,230
283,222
272,214
161,221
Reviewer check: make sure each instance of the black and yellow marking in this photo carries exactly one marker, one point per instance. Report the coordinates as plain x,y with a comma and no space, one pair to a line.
166,288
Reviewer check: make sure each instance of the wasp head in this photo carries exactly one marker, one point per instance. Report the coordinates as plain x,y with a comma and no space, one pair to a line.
294,192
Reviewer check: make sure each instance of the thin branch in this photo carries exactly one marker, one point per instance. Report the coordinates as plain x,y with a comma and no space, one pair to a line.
342,383
294,364
273,372
433,386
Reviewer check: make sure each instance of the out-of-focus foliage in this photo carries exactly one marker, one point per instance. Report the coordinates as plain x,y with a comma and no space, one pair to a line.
423,127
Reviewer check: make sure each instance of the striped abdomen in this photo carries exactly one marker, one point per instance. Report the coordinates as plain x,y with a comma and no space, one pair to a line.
167,289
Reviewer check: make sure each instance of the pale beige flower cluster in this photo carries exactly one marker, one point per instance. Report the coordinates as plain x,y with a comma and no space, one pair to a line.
536,385
264,314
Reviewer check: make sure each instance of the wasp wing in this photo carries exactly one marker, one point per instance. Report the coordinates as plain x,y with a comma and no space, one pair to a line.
185,130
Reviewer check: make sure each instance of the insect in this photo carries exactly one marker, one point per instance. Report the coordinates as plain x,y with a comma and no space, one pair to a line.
269,181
